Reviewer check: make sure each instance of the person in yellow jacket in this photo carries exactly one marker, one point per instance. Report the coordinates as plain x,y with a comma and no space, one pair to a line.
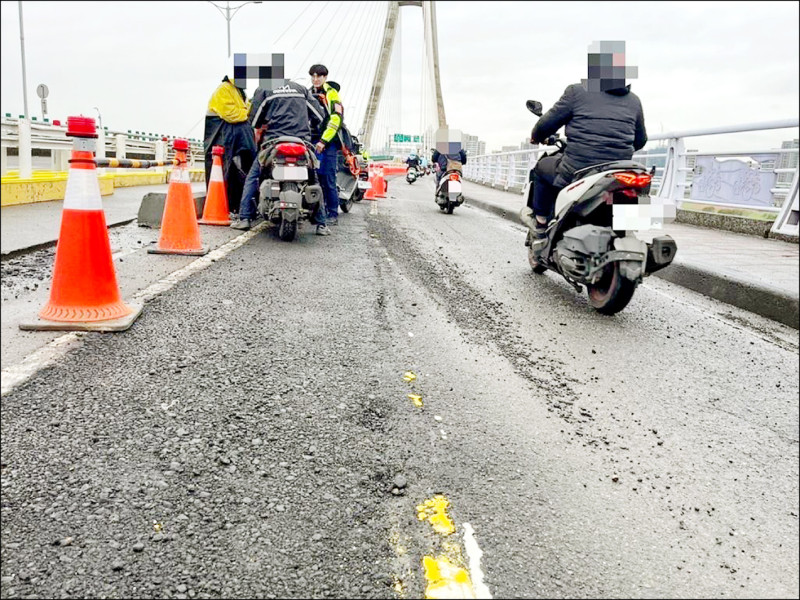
227,126
326,140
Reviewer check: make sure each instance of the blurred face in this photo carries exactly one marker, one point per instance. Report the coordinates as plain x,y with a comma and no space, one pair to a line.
317,80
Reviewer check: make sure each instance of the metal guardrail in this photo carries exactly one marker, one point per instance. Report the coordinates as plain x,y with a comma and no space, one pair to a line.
672,180
47,136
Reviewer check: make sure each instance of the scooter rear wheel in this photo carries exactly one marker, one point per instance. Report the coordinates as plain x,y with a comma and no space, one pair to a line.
533,260
612,293
287,229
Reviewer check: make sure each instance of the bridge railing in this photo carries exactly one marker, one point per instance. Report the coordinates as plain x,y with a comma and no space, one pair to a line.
677,169
47,136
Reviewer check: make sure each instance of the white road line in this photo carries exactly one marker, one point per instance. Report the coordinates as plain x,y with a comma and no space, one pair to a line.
16,374
474,554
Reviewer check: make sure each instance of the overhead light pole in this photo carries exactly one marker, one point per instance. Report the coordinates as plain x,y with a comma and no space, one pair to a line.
228,12
24,77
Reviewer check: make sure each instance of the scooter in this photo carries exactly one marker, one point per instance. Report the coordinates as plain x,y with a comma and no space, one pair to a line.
411,175
288,192
584,244
448,191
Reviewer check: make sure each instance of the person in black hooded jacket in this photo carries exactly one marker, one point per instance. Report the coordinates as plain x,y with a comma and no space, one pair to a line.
604,122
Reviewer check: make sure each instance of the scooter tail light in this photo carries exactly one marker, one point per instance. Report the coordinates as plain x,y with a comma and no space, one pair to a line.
633,179
453,177
291,149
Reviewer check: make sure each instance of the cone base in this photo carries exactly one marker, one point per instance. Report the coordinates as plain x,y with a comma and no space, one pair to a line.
75,314
214,222
202,252
120,324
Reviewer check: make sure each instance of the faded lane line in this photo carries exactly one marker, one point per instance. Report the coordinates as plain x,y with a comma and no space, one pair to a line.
16,374
474,554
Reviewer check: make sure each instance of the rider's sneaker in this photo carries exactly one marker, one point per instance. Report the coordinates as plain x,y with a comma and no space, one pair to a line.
333,220
244,224
323,230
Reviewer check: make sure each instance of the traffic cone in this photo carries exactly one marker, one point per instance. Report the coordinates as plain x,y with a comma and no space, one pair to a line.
381,184
84,295
215,211
180,233
370,194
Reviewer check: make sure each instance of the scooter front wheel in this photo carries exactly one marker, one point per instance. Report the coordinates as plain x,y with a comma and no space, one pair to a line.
613,292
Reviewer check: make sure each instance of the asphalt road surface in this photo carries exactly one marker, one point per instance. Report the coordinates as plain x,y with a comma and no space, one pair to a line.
253,434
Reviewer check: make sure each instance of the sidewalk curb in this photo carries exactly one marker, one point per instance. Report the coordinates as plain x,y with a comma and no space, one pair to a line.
760,299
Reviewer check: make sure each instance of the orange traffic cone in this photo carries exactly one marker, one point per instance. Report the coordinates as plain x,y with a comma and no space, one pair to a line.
215,211
380,192
180,233
370,194
84,295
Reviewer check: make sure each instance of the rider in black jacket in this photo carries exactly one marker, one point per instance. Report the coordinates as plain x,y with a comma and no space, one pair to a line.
286,110
604,122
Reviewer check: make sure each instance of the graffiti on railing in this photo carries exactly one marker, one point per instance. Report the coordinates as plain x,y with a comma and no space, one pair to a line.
734,180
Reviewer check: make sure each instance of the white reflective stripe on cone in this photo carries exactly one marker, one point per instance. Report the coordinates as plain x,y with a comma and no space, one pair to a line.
216,173
83,190
179,175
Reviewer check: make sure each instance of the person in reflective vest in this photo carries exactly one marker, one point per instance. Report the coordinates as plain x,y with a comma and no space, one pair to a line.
327,141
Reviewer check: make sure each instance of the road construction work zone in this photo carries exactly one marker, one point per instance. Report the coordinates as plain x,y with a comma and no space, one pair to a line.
398,410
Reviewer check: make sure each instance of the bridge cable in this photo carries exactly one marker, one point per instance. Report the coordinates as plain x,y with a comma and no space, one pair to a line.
319,14
364,74
365,88
320,38
361,39
292,25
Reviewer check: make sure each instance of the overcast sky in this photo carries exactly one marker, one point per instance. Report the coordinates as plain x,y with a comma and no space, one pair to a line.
151,66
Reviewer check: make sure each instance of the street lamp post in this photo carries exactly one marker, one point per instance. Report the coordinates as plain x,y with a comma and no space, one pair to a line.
228,12
24,127
101,137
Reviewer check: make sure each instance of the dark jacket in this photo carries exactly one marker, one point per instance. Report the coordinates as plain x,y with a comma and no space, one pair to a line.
286,110
600,127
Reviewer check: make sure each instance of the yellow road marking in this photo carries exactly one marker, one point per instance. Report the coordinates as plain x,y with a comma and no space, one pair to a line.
409,376
417,399
446,579
434,511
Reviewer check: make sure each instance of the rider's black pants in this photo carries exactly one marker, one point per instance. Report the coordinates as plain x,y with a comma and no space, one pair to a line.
545,185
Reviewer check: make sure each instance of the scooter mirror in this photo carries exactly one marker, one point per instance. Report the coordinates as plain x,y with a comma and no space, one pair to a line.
535,107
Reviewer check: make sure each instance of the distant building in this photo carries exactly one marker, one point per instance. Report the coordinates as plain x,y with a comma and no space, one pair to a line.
787,160
644,157
509,149
526,145
473,145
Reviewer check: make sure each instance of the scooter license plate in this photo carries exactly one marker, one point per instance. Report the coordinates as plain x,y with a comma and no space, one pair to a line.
454,187
364,185
289,173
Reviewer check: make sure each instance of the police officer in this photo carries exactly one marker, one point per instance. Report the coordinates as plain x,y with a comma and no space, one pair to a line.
327,143
286,110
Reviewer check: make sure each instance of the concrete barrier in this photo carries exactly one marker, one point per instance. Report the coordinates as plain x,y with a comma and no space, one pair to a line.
152,208
44,186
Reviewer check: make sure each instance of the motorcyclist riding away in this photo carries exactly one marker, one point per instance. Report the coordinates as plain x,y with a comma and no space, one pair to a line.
604,123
